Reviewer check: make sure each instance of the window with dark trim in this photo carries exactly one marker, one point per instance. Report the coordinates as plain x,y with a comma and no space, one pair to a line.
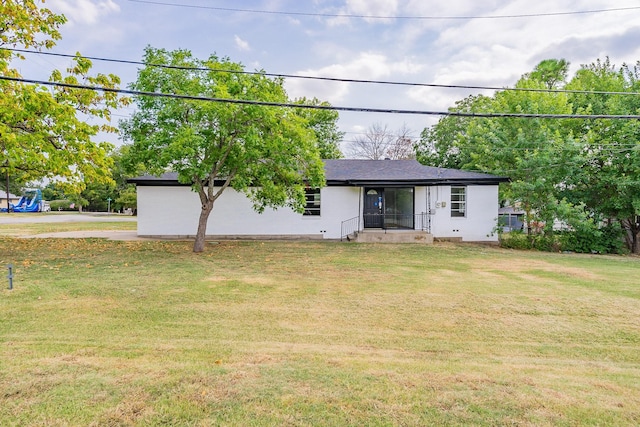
458,201
312,202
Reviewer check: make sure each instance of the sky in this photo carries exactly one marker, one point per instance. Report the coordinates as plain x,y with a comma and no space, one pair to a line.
454,42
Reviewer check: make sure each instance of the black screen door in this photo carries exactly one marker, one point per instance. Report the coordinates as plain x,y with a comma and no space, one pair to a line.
373,207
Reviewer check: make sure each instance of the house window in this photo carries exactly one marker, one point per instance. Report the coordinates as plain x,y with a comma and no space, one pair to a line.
312,202
458,201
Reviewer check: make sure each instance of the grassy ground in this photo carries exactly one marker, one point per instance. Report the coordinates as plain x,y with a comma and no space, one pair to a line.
22,229
102,333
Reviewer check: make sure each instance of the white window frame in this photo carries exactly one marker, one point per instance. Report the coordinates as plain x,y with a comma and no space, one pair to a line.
312,205
458,201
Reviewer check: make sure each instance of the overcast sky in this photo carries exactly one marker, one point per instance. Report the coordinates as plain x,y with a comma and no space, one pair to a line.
306,37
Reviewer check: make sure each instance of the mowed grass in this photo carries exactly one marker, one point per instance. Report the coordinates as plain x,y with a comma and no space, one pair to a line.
109,333
26,229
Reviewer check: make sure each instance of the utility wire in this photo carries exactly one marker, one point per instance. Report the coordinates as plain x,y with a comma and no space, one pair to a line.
323,107
330,79
421,18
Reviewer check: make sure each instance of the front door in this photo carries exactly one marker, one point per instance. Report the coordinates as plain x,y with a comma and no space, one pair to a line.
373,207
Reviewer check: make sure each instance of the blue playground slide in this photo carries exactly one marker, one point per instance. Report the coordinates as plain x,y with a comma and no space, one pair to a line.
30,202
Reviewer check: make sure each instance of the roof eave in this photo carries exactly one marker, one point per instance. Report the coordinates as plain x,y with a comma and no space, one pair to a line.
420,182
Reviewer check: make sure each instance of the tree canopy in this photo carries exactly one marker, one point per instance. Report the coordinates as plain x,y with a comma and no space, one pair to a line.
269,153
324,124
559,168
48,132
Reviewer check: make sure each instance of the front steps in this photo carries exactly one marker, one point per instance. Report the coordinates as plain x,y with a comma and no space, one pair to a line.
394,236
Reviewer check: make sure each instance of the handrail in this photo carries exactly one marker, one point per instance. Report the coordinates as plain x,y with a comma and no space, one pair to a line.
419,221
400,221
349,226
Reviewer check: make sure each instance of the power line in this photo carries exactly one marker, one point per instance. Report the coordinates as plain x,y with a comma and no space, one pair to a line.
324,107
421,18
330,79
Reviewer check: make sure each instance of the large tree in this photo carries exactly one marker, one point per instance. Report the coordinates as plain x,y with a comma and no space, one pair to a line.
324,123
532,152
45,132
569,169
606,174
445,144
529,151
268,153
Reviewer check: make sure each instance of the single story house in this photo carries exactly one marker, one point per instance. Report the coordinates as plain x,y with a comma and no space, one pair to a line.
13,199
383,196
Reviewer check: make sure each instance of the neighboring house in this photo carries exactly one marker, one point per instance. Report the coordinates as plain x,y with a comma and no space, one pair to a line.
511,219
359,196
13,199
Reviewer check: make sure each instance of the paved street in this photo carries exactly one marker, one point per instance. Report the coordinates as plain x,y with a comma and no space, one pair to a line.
74,217
25,218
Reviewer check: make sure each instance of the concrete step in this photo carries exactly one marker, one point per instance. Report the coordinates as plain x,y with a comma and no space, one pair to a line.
394,236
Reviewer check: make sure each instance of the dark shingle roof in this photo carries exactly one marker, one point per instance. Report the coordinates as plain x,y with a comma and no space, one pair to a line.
371,172
395,172
167,178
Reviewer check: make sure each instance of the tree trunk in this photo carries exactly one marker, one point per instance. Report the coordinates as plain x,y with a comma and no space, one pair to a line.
527,217
631,229
198,245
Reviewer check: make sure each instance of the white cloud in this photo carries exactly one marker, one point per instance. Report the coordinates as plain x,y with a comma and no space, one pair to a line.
372,7
366,66
367,8
242,44
84,11
496,52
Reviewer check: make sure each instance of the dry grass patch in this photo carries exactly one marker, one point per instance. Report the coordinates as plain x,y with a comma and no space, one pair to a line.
526,269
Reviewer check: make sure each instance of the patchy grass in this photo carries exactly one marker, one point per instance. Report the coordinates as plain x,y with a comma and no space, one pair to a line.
100,332
30,229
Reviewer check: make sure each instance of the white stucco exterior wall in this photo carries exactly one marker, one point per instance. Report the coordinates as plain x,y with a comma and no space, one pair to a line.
174,211
481,215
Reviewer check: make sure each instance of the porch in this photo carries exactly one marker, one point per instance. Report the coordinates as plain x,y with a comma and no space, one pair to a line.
390,228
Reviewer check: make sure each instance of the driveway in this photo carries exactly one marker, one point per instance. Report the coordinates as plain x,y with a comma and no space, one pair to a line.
75,217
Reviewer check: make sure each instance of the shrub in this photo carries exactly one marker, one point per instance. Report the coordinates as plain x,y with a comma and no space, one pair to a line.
546,242
587,239
515,240
584,233
61,205
613,239
603,240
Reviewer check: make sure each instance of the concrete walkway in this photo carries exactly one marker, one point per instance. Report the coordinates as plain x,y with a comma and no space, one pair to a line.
88,234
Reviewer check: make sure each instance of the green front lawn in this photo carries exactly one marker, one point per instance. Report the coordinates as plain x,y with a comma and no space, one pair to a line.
100,332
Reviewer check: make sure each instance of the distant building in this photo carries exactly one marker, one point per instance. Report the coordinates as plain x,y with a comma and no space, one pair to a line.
511,219
3,199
